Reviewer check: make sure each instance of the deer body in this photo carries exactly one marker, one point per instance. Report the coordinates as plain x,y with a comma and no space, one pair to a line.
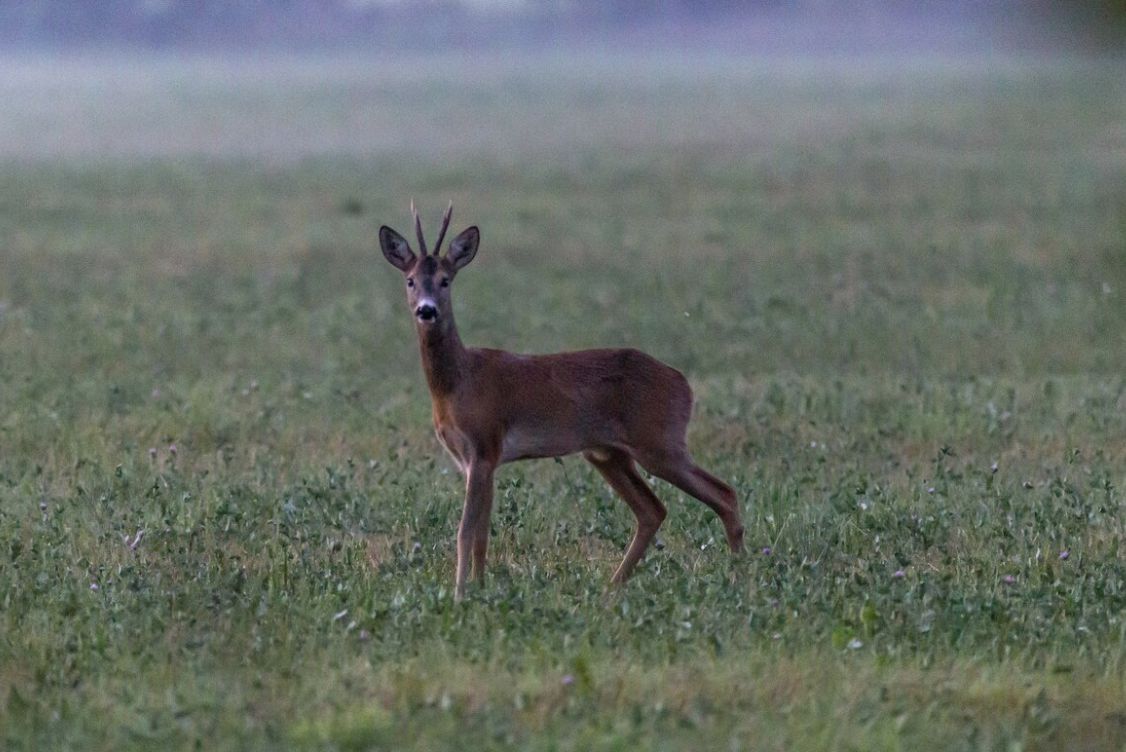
616,406
513,407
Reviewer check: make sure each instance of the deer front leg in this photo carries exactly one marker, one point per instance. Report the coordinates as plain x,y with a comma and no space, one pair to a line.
473,532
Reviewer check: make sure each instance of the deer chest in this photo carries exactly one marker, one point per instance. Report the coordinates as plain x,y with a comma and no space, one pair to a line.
455,441
456,445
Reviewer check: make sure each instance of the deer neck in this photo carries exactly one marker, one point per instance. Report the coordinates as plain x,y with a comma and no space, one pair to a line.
442,355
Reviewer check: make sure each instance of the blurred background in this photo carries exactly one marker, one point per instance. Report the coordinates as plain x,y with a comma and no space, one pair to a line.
785,186
404,25
798,179
170,77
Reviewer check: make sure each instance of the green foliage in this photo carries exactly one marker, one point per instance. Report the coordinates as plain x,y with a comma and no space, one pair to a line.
225,522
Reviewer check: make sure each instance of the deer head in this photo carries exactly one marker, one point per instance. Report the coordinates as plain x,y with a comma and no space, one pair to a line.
429,275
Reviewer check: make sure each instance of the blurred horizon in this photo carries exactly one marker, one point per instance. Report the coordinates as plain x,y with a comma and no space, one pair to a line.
719,26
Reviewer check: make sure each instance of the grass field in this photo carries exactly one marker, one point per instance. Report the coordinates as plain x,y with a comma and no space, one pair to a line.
897,287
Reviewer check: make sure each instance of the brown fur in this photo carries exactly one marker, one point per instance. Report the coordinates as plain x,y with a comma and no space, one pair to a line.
617,407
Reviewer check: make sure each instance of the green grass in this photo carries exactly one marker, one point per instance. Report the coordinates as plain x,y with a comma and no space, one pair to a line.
898,291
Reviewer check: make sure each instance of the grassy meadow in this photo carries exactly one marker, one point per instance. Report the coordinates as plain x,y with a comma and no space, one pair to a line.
898,288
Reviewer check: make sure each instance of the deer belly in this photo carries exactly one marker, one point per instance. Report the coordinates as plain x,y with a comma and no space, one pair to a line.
522,444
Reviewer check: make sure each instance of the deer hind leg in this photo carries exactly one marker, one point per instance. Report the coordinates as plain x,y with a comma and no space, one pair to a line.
679,470
618,469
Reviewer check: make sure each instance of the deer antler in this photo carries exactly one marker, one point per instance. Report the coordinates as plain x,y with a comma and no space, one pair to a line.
418,230
445,225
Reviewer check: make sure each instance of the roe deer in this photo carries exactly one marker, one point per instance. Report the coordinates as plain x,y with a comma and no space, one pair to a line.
617,407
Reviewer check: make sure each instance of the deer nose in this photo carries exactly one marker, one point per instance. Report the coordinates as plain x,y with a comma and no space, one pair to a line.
426,312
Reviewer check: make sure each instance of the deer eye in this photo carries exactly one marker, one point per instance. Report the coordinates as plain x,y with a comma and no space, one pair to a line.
410,282
446,282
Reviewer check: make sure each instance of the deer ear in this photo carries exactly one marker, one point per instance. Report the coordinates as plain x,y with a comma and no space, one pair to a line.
464,247
395,248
